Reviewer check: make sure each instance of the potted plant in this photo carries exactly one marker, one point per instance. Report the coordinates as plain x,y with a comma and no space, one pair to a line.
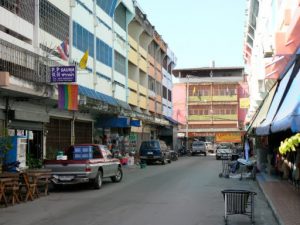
5,147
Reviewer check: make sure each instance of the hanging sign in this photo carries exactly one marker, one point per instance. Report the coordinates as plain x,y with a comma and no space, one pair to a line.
63,74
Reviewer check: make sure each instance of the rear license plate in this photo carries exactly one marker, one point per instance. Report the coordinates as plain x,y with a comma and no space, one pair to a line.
150,153
66,178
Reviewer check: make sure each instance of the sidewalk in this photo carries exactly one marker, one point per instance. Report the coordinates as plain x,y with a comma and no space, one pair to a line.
283,198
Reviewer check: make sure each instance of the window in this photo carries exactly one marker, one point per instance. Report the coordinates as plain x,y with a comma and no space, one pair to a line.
151,84
120,63
24,8
96,152
165,92
108,6
169,95
53,20
120,16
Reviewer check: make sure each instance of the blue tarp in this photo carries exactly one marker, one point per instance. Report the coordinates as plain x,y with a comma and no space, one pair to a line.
97,95
264,128
288,116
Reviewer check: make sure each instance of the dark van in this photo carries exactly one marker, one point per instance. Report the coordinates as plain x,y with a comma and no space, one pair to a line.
154,151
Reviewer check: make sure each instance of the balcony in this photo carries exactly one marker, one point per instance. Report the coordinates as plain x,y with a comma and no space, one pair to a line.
142,90
220,98
143,64
25,64
132,98
133,56
132,84
143,102
132,42
231,117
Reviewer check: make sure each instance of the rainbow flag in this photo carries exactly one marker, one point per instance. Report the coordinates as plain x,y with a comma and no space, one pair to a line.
68,96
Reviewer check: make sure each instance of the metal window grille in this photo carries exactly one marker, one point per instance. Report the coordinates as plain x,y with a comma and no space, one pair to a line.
24,64
22,8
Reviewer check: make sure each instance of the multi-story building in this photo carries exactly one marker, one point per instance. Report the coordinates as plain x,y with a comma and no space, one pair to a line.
271,46
271,38
150,65
122,82
209,102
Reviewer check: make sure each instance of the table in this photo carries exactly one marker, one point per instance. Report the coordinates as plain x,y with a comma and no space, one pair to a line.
3,183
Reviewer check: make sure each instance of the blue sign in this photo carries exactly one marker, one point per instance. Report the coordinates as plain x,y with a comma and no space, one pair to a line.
63,74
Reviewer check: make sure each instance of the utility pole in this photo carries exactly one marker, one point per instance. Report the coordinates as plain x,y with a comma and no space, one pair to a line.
187,112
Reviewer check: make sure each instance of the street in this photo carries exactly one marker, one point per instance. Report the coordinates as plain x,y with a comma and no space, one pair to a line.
185,192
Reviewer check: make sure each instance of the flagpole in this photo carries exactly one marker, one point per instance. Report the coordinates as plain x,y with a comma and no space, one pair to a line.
72,5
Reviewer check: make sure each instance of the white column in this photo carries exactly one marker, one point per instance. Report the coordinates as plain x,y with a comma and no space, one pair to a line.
95,45
36,30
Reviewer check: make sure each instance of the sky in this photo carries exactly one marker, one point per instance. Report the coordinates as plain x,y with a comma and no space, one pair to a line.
200,31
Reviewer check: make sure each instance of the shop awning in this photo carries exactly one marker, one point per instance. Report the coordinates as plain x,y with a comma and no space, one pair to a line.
135,123
263,109
113,122
171,120
288,116
264,127
123,104
97,95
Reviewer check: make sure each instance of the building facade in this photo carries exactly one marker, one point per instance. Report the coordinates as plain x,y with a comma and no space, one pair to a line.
120,91
210,103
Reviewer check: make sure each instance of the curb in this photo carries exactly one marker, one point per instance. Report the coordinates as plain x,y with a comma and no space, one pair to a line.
275,213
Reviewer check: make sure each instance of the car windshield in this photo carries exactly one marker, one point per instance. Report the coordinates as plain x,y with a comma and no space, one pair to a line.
150,144
198,144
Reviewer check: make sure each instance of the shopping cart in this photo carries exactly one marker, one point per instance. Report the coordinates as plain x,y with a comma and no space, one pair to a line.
225,166
247,168
239,202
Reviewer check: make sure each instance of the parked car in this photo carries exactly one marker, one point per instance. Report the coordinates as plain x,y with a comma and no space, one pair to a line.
225,151
154,151
198,147
86,163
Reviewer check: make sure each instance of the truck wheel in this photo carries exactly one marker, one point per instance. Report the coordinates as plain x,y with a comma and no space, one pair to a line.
118,177
98,180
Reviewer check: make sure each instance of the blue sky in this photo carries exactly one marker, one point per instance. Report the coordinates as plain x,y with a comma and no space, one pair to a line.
199,31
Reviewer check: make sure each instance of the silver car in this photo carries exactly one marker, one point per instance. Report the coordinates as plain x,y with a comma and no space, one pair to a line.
198,147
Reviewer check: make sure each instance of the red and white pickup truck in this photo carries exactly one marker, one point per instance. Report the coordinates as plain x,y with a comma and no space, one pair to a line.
85,163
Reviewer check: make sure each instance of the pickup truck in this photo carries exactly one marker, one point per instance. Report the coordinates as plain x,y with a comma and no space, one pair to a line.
86,163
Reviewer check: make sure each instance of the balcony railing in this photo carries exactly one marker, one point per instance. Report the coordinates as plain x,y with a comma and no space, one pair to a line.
24,64
231,117
216,98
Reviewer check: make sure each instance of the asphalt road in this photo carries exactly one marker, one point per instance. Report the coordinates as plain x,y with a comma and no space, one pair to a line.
185,192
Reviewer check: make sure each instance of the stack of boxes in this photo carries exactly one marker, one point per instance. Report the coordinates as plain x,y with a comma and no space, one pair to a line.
83,152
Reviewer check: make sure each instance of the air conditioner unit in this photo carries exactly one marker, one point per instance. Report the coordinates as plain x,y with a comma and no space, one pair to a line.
82,100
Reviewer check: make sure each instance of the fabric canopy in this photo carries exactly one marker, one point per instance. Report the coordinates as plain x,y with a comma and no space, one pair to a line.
263,110
171,120
97,95
264,128
288,116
